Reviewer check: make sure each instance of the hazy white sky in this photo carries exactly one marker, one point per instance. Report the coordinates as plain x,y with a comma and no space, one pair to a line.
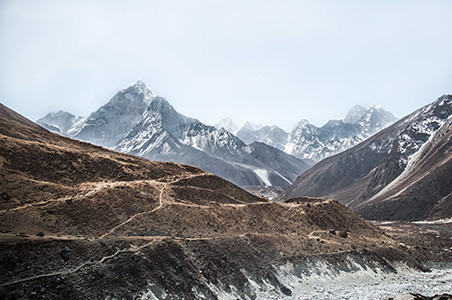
270,62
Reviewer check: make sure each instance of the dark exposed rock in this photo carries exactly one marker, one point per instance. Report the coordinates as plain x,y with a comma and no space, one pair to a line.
3,293
286,291
442,297
136,257
343,234
65,254
18,294
415,296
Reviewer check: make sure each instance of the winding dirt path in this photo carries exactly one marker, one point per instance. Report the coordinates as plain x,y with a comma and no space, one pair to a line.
97,188
161,204
138,214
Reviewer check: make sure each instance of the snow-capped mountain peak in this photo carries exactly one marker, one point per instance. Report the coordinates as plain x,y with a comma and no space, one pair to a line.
112,121
354,114
139,86
375,119
245,125
137,121
307,141
227,124
302,123
61,121
376,106
60,113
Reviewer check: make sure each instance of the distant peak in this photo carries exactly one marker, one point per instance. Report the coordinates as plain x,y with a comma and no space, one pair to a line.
376,106
228,120
140,86
249,126
358,107
138,82
303,122
57,114
228,124
354,114
245,124
380,110
334,123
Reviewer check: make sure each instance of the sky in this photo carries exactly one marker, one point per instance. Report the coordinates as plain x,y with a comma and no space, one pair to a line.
268,62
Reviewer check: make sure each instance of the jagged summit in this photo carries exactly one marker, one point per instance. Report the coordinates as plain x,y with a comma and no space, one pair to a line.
354,114
303,122
307,141
111,122
140,86
228,124
357,113
245,125
59,113
59,121
378,108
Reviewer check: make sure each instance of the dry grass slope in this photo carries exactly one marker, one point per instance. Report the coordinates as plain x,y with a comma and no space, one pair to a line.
81,221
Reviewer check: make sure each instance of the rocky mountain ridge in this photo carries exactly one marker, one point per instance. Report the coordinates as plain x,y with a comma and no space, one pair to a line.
385,176
307,141
139,122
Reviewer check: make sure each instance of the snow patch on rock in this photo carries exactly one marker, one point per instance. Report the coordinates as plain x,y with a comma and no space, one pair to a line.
263,175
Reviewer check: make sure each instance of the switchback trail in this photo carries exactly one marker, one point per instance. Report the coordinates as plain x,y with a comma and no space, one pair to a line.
138,214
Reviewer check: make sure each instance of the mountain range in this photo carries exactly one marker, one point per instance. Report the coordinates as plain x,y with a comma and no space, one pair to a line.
139,122
401,173
307,141
80,221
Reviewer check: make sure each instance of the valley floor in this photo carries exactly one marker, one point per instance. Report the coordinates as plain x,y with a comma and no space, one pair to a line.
426,241
436,282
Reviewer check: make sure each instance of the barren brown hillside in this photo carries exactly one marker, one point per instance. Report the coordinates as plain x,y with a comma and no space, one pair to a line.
80,221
